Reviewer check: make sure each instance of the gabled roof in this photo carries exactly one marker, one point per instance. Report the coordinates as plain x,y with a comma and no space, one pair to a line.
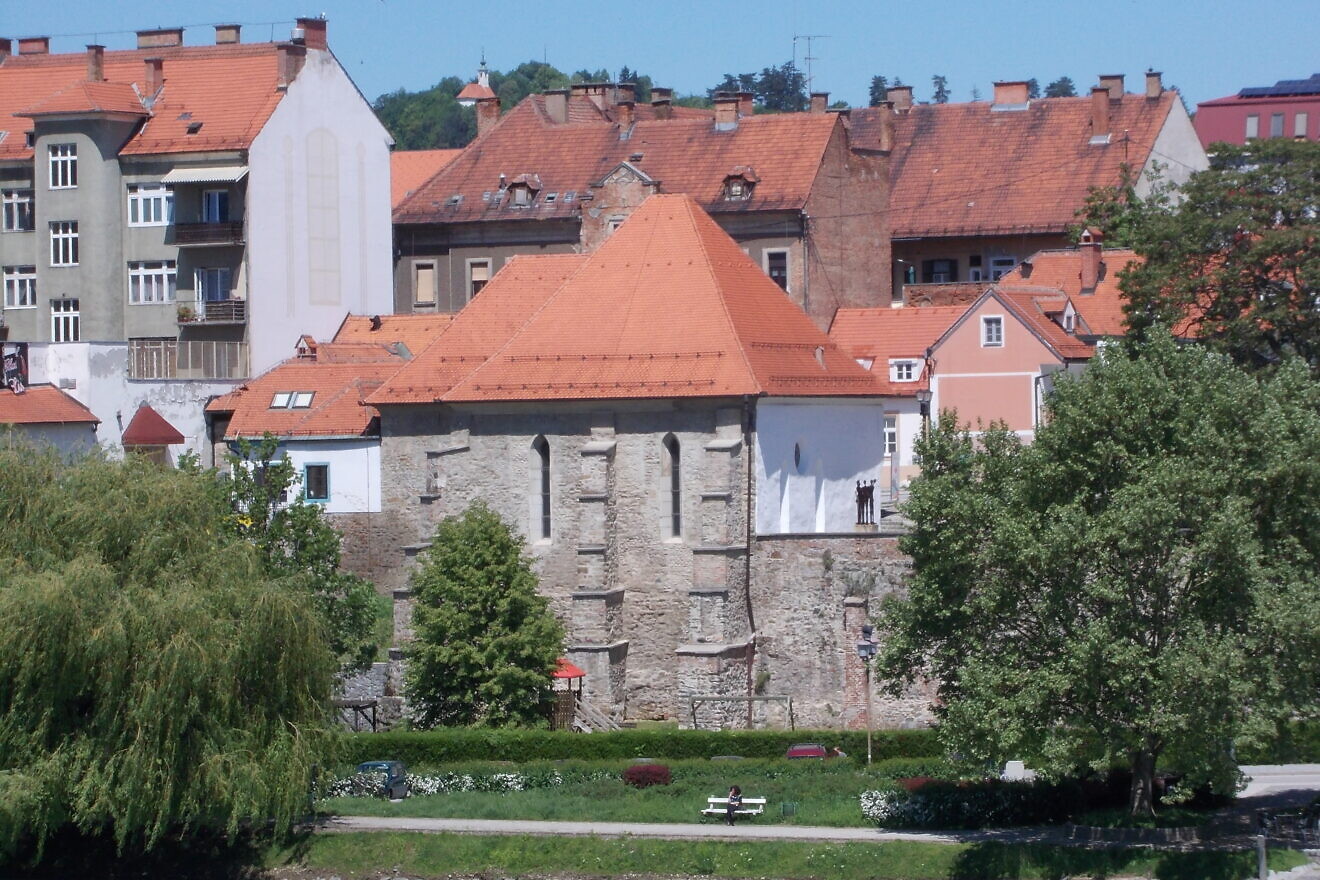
668,307
964,169
409,169
1061,270
882,334
414,331
42,405
1032,307
475,91
684,154
231,89
149,428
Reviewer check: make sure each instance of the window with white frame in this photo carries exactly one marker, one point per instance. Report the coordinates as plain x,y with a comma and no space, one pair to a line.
1001,266
891,436
20,287
316,483
1253,126
1299,124
63,165
18,214
903,371
64,320
776,266
212,285
215,206
992,331
424,283
64,243
292,399
150,205
151,281
478,274
1276,125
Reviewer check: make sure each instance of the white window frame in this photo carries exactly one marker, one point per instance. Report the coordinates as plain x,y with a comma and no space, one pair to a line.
65,320
903,370
1253,126
20,287
1278,124
1300,120
152,282
787,286
150,204
224,280
989,339
63,166
1001,266
213,201
19,212
63,243
890,438
433,294
489,264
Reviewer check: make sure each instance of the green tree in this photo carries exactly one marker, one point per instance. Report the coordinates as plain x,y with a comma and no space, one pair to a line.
1238,255
782,89
486,642
1033,89
431,119
642,81
1061,88
941,85
879,90
1140,581
1120,214
153,679
298,548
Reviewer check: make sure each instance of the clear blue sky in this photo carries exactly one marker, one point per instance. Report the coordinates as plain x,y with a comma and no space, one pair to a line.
1208,48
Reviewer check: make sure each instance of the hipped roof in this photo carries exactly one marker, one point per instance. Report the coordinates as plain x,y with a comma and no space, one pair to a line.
42,405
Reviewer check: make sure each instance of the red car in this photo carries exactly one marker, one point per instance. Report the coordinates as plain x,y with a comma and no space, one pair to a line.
808,750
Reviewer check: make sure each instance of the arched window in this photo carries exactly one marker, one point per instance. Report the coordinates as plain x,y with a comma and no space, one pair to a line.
542,465
672,467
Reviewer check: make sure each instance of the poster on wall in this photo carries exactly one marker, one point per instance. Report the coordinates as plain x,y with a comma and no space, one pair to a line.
16,366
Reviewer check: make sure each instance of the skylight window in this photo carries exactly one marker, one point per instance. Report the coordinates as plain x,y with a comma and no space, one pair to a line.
456,199
549,198
280,400
570,195
194,127
485,197
292,399
301,399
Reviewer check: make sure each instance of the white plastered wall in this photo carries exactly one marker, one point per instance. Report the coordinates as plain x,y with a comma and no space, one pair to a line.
1177,153
354,471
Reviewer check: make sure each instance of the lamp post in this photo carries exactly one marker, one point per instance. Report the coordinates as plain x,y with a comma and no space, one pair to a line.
866,653
923,400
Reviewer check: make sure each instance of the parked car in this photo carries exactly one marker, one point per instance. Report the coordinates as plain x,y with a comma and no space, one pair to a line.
394,777
808,750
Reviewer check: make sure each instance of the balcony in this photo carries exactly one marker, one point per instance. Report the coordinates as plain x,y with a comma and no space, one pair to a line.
187,359
220,311
208,234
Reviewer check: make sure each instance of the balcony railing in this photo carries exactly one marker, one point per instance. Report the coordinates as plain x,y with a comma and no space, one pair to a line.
187,359
194,234
221,311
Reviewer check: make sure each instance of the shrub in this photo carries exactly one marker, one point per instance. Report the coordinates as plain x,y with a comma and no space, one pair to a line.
646,775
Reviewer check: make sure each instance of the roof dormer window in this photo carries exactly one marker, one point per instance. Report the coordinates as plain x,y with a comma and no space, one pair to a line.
739,183
520,196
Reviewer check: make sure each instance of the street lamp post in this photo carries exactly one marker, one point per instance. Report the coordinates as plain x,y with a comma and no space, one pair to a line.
866,653
923,400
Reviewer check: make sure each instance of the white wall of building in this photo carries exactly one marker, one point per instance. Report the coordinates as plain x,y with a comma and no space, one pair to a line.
96,375
319,235
1177,152
354,471
838,442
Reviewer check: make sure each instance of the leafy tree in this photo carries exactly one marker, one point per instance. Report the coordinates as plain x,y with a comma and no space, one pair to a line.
642,81
879,89
1118,212
941,84
298,548
431,119
153,678
1238,254
1140,581
782,89
590,76
976,93
486,642
1061,88
1033,89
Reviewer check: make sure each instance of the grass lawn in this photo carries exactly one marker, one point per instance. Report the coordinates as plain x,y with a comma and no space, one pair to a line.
440,854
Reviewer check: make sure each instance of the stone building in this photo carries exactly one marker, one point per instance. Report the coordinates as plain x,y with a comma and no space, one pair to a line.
803,195
682,448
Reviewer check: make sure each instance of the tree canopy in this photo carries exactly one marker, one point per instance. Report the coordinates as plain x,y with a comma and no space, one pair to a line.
940,84
1141,581
1061,88
781,89
153,678
1238,254
485,641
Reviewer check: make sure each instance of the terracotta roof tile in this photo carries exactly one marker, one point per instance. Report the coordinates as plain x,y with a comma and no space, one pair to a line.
1061,270
685,154
1031,307
89,97
475,92
149,428
42,405
963,169
414,331
409,169
881,334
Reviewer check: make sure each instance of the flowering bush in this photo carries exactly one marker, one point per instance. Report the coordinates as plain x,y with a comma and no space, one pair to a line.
370,784
358,785
644,775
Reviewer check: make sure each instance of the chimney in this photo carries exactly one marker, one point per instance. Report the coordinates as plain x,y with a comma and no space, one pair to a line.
6,48
886,126
726,111
556,105
488,113
154,74
226,33
1010,94
34,45
95,63
1154,84
160,38
313,30
1089,246
1113,82
746,103
901,96
820,101
291,57
625,92
662,103
1099,112
625,115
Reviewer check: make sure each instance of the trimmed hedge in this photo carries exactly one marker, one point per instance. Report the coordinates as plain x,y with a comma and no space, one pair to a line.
433,748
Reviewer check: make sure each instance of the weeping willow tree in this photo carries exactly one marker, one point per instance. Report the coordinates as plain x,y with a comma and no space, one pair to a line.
153,681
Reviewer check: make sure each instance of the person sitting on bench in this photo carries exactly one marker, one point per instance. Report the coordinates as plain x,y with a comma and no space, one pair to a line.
735,803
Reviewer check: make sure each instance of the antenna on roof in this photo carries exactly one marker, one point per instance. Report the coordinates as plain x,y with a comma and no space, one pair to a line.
808,57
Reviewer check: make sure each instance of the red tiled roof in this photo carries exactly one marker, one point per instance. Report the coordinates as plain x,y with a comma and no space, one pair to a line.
409,169
475,92
1061,270
230,89
565,669
880,334
963,169
1031,305
42,405
684,154
337,408
89,97
669,306
414,331
149,428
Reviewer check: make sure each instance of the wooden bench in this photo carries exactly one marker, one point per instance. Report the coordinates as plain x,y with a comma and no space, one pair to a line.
719,806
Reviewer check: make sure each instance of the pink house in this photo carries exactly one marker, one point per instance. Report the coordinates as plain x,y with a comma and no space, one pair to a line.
1288,109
